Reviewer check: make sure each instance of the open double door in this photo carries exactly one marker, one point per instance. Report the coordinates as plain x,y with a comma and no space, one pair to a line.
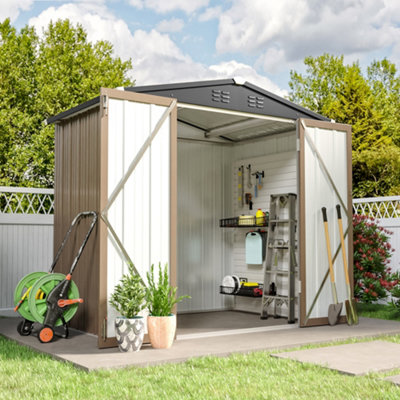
139,198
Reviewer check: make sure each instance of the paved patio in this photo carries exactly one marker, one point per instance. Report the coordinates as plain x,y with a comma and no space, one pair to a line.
81,349
352,358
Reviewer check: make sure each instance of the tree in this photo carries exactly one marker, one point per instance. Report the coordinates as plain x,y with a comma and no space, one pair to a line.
317,89
342,93
40,77
385,84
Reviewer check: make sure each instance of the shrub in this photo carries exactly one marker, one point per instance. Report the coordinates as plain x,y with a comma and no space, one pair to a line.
129,295
373,279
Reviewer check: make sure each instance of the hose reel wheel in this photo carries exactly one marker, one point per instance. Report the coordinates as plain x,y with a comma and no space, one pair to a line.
22,291
37,301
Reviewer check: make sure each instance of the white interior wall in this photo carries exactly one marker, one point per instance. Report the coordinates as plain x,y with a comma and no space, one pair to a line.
204,256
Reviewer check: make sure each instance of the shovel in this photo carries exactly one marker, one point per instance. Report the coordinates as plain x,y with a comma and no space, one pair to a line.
334,309
350,304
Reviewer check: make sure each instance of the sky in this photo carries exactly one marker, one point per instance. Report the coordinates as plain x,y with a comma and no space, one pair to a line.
260,41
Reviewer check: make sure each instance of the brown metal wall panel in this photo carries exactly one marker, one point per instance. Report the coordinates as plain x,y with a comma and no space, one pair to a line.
77,188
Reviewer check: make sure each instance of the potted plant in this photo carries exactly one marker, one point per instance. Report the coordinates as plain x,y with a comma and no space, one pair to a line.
128,299
161,298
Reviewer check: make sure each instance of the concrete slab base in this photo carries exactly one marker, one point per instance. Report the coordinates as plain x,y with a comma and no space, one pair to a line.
352,359
81,348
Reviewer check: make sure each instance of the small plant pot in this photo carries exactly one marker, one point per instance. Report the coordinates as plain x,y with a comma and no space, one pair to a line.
161,331
129,333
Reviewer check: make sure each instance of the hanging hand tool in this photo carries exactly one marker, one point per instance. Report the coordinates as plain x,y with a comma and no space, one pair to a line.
249,184
334,309
241,186
248,200
350,305
260,175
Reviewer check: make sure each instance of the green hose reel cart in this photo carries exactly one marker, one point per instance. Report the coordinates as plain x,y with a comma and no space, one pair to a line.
48,298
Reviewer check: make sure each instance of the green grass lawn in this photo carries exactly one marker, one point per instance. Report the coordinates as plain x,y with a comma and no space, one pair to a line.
381,311
25,374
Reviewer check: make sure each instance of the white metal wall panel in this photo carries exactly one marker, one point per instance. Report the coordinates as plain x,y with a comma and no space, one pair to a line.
268,145
140,214
319,193
204,249
26,245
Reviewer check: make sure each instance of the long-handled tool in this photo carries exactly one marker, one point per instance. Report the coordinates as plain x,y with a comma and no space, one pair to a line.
350,304
334,309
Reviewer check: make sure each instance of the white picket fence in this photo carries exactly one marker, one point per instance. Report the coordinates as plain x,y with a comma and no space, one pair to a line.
26,237
387,211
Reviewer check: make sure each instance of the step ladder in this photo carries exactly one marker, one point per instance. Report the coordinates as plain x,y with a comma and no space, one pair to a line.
280,265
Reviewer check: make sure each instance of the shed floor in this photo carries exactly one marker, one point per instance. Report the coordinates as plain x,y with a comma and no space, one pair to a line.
217,323
81,349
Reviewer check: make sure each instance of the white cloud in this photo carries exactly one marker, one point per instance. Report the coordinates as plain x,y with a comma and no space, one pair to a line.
210,13
99,23
170,25
11,8
232,69
156,58
292,30
164,6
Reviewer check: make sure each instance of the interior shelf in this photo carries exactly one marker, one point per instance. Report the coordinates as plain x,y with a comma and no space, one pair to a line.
244,222
243,291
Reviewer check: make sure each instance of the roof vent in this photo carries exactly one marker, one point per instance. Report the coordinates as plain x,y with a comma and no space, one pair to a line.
255,101
220,96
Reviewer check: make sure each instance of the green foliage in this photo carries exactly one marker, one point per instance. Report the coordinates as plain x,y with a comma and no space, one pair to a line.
373,279
369,104
41,76
160,296
379,311
317,89
128,297
376,171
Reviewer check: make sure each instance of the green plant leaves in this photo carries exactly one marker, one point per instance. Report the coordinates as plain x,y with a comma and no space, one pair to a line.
128,297
160,296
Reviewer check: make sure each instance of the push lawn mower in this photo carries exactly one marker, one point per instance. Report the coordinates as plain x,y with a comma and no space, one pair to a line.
50,299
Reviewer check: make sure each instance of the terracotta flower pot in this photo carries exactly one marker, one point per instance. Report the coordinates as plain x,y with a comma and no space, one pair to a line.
161,331
129,333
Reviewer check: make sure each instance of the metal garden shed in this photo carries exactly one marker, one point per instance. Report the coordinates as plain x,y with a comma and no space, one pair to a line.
161,164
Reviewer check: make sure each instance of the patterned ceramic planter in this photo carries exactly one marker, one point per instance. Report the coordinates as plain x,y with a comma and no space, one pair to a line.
129,333
161,331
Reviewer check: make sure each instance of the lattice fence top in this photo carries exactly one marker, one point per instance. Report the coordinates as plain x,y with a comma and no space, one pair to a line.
378,207
26,200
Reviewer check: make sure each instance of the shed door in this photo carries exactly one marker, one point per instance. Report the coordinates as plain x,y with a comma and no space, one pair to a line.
139,193
324,181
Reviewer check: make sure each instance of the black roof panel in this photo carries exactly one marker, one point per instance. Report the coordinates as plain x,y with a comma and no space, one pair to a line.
229,95
223,94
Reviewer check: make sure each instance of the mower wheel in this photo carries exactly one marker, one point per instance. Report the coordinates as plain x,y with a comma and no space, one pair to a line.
24,328
46,334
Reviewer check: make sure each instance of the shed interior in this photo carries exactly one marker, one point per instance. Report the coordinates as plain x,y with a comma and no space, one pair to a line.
212,145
